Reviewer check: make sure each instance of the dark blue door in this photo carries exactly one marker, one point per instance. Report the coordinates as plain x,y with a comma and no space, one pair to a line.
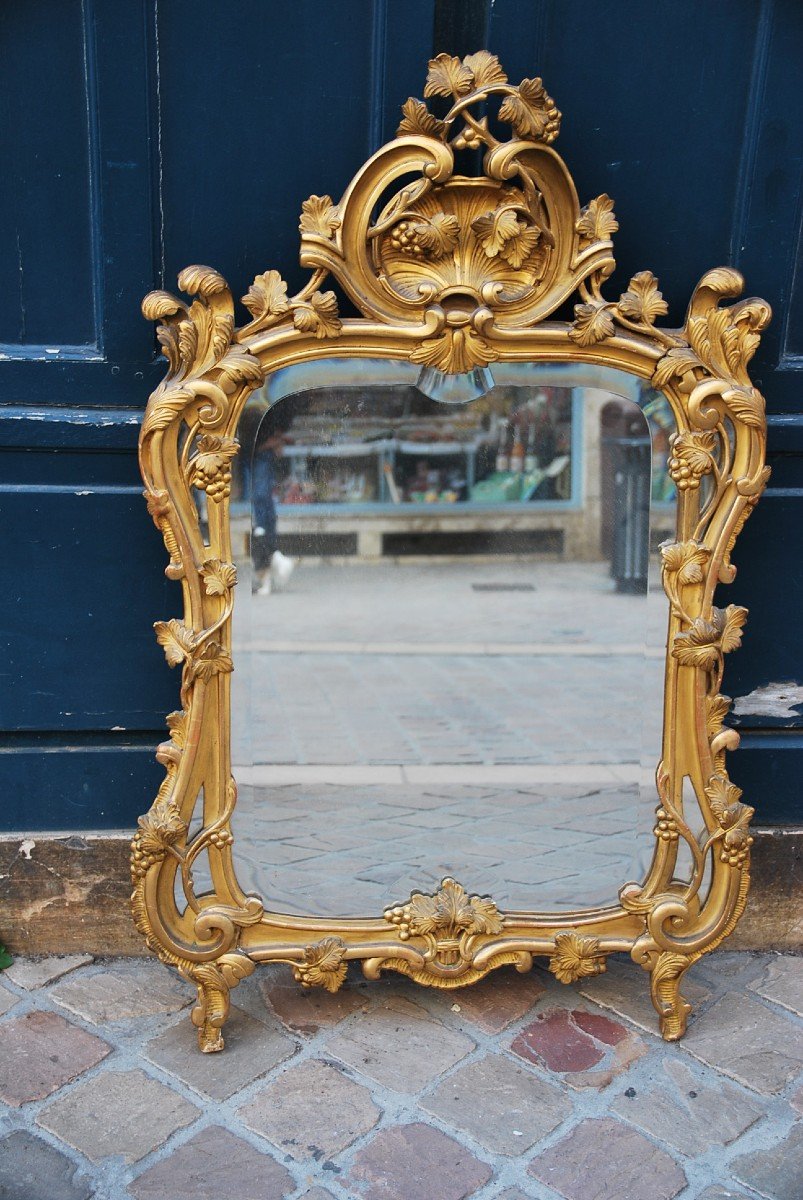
144,136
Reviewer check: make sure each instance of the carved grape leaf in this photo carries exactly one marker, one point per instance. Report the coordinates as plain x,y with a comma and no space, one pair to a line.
486,915
219,577
418,119
731,622
576,957
318,315
438,235
531,111
592,323
698,646
676,361
733,817
519,248
324,964
319,216
694,449
597,220
213,661
424,915
485,69
176,639
267,295
686,560
642,301
448,76
494,229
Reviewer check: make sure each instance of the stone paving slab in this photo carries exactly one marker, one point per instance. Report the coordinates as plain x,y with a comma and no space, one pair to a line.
7,1000
213,1164
31,1169
41,1052
32,973
124,1113
516,1089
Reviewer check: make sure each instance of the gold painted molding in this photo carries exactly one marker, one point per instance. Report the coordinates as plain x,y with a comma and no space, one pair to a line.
453,273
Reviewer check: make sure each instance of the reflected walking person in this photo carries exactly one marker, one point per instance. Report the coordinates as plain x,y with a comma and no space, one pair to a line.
272,569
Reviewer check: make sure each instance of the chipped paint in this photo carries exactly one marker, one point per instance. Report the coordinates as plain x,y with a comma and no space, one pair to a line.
772,700
26,847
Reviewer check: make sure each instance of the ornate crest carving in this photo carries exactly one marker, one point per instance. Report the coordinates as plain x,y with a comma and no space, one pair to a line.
452,273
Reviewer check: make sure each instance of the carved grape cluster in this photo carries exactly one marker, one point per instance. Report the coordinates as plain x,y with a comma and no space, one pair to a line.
219,838
403,239
666,827
143,859
691,457
216,484
211,467
400,917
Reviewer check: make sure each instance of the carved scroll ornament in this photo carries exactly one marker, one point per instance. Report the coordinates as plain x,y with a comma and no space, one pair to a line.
452,273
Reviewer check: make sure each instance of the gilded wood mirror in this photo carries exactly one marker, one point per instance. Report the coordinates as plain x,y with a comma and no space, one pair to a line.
601,452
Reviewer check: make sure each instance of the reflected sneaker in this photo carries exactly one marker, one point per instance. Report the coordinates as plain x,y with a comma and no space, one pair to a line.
281,568
265,586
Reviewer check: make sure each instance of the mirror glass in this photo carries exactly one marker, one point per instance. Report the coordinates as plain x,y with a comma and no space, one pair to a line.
449,634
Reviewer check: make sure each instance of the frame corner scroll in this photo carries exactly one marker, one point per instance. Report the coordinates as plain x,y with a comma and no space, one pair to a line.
451,273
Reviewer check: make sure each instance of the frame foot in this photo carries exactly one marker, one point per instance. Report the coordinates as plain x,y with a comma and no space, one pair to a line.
212,1009
672,1007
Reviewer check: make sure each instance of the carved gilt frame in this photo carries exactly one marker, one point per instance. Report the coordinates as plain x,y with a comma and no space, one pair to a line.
454,272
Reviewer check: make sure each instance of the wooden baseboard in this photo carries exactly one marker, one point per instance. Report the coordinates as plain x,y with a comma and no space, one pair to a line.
69,894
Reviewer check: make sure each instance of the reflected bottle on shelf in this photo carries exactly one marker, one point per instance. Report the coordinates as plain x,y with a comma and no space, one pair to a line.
530,458
502,457
517,452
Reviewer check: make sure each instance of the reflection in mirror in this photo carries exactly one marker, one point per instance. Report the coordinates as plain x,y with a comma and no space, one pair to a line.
449,635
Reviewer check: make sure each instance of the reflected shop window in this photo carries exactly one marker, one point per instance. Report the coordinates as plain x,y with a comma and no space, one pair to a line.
458,650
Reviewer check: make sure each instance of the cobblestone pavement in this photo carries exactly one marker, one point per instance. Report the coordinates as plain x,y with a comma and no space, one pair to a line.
514,1088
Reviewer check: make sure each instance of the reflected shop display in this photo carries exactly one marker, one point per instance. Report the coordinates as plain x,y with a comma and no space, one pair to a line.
415,683
454,580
